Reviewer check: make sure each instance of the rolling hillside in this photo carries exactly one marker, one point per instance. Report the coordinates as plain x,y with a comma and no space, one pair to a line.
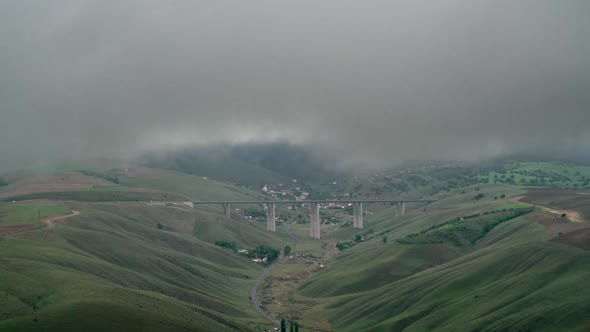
444,269
86,250
126,265
131,184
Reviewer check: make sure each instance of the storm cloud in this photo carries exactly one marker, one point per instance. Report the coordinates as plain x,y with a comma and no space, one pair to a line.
370,81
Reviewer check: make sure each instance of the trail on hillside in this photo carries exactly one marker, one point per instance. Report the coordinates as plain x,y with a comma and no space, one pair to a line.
51,222
571,215
265,274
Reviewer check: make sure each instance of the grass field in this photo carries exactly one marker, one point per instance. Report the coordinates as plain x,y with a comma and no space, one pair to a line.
104,188
97,196
191,186
464,262
510,285
543,174
127,267
11,213
515,278
124,265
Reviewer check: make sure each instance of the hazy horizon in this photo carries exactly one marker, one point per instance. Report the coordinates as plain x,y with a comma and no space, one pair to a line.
366,83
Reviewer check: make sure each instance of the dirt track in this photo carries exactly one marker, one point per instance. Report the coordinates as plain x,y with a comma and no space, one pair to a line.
572,230
571,215
52,221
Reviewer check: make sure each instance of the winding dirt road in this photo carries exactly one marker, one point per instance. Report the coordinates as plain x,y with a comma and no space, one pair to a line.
51,222
571,215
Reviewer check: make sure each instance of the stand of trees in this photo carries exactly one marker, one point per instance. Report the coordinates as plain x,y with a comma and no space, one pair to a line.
293,326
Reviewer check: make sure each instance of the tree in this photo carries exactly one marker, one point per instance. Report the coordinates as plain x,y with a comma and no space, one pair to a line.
563,215
287,250
357,238
254,213
283,326
503,196
296,325
291,327
384,239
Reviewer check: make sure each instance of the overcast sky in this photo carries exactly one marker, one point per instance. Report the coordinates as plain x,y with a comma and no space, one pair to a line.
381,81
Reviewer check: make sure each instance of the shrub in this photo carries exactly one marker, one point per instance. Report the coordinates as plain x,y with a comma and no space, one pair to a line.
226,244
108,177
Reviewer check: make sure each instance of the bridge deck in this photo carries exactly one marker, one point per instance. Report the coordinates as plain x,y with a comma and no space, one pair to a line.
321,201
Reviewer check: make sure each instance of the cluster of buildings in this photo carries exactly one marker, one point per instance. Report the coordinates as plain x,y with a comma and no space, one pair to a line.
260,260
255,259
278,192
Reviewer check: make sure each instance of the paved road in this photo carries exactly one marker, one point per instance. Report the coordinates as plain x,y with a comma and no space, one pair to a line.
264,275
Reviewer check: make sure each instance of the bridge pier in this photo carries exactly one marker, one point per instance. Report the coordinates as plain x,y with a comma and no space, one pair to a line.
226,210
357,215
270,217
400,209
315,221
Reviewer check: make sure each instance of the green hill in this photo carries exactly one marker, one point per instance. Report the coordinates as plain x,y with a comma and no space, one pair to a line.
128,267
519,283
133,184
462,265
492,256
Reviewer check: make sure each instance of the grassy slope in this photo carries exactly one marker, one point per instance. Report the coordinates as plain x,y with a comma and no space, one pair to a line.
97,196
556,174
518,283
193,187
392,261
28,213
130,267
114,256
512,279
140,184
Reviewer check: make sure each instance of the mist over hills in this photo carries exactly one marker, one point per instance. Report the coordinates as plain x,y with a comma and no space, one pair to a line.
256,164
378,81
448,139
248,164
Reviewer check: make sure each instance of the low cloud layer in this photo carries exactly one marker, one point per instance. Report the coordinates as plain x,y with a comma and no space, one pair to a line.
371,81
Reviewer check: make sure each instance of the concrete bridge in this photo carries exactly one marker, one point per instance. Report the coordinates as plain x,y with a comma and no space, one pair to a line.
357,210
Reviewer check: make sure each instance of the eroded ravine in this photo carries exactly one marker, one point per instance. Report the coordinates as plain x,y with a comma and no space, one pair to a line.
265,274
